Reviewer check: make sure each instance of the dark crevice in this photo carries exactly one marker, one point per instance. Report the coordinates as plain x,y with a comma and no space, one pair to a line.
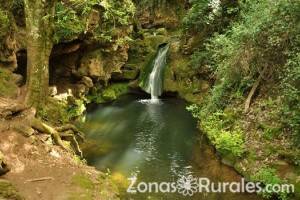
22,65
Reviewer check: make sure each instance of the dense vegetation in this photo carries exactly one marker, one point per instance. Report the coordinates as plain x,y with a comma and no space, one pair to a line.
262,41
71,18
251,46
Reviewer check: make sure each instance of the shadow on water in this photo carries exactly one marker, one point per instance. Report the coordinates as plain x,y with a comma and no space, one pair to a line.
155,143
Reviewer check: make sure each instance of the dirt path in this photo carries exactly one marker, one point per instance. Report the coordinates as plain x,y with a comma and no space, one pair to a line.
42,171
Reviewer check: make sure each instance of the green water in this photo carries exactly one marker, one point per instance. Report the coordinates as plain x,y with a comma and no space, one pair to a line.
154,143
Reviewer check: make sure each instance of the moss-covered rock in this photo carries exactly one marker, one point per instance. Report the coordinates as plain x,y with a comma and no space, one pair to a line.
114,91
59,112
180,78
100,187
128,73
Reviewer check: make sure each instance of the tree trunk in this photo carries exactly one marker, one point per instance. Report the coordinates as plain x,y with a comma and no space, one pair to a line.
39,32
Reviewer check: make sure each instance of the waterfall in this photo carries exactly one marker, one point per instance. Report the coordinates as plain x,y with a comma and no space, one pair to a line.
154,85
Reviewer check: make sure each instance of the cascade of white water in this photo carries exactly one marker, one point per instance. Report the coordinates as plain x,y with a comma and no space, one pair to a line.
155,82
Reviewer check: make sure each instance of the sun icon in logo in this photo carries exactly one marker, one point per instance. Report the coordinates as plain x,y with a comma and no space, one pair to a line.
187,185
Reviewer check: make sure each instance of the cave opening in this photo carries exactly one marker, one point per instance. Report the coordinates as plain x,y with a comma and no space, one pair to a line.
22,65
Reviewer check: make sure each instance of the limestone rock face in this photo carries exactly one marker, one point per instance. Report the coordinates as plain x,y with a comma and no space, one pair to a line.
100,65
161,13
92,64
8,58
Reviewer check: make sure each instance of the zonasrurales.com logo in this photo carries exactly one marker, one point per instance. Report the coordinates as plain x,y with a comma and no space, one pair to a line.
187,186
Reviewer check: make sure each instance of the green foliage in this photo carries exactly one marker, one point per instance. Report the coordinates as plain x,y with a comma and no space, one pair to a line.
197,15
60,112
55,112
112,92
95,95
210,14
116,14
67,23
226,138
291,90
258,39
270,132
268,176
83,181
76,109
4,23
71,19
17,7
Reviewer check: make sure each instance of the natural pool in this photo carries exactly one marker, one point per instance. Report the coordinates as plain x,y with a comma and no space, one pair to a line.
154,143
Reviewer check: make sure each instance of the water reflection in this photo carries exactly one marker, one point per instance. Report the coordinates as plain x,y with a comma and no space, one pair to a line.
154,142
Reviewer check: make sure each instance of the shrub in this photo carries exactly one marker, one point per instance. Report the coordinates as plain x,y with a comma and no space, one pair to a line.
4,23
291,91
210,14
67,23
258,38
71,18
268,176
226,138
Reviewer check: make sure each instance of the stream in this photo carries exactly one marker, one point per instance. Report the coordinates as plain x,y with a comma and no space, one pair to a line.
153,142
